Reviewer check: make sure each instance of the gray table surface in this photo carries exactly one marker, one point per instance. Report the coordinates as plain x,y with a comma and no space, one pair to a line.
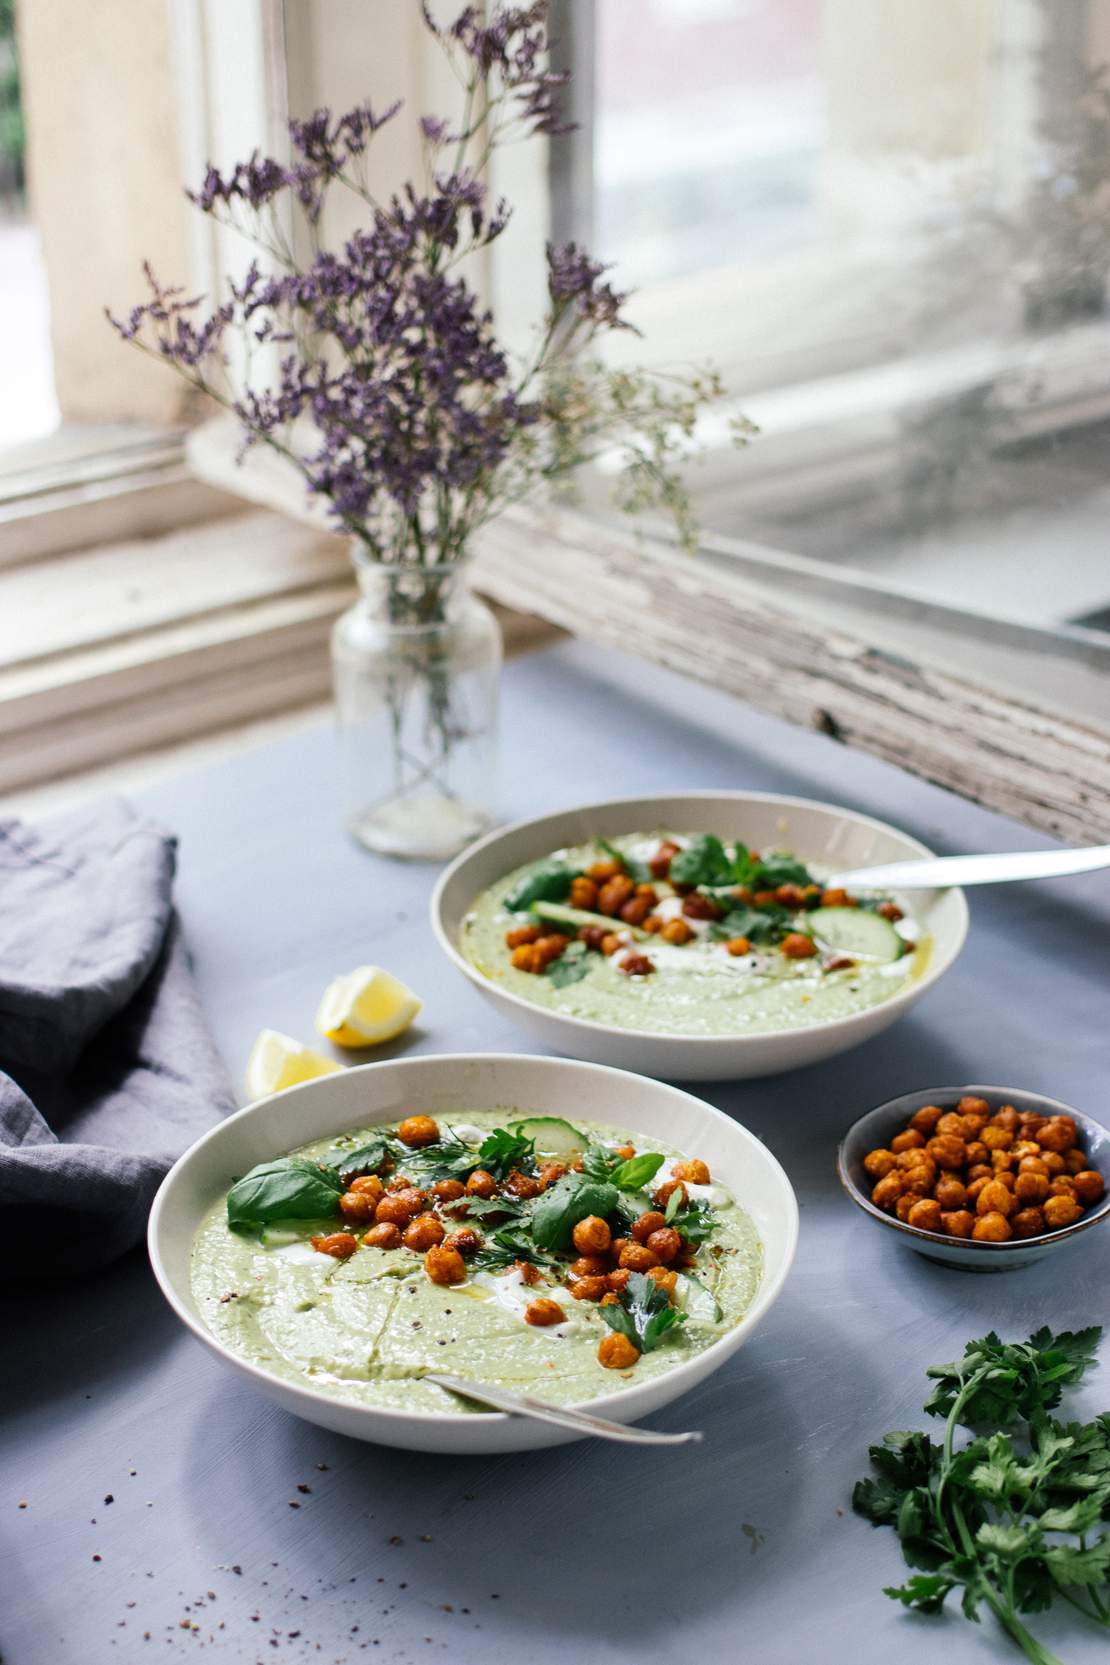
164,1500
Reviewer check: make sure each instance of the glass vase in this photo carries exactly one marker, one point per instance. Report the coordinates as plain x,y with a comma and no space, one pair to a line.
416,664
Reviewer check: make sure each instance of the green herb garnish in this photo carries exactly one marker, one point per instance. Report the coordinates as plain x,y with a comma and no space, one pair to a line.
350,1162
509,1244
693,1220
644,1313
563,1204
572,965
549,882
289,1188
704,861
1007,1517
631,1174
501,1151
764,924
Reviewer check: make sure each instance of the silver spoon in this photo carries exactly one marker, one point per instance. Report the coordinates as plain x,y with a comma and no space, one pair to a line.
934,872
520,1404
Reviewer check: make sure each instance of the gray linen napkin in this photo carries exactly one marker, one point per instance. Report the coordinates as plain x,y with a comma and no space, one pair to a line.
107,1070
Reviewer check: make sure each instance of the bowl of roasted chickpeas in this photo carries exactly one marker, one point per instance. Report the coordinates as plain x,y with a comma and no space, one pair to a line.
987,1178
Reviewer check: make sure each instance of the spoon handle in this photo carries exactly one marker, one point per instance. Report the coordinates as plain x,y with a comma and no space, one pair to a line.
942,871
520,1404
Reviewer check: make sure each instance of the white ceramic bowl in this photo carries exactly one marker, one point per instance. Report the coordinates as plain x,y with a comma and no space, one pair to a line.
878,1127
453,1084
813,831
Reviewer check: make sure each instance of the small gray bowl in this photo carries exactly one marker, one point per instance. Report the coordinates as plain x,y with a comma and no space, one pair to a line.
878,1127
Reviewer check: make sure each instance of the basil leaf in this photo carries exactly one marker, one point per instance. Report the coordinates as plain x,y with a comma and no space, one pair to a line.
479,1208
781,871
563,1204
634,1174
289,1188
572,965
644,1313
598,1162
702,862
638,870
757,924
549,882
501,1151
353,1160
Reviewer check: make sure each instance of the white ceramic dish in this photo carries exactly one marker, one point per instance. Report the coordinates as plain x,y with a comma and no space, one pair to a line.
813,831
439,1086
879,1126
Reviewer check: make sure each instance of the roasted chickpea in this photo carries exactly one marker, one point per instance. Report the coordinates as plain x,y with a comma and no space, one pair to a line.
341,1245
664,1277
991,1228
886,1193
971,1106
528,1273
448,1190
592,1236
1054,1162
466,1240
665,1244
1058,1134
615,1248
1089,1185
358,1206
610,944
946,1151
522,936
523,1186
416,1131
906,1202
400,1182
369,1185
642,1228
424,1232
996,1138
677,931
837,898
589,1289
637,965
977,1151
959,1222
994,1198
589,1266
921,1176
796,946
637,908
602,871
1028,1222
543,1312
550,948
663,1195
889,910
977,1186
878,1163
1030,1187
1024,1147
1006,1177
444,1265
738,946
1062,1186
926,1119
1075,1160
654,923
1002,1161
925,1214
415,1200
951,1123
911,1139
616,1352
391,1211
616,1280
979,1170
694,1171
974,1124
383,1236
637,1257
550,1172
626,1152
1062,1211
614,893
525,958
481,1184
660,862
950,1193
1033,1165
1007,1117
583,894
697,906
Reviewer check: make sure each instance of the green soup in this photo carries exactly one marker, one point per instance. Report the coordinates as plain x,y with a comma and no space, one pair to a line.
368,1328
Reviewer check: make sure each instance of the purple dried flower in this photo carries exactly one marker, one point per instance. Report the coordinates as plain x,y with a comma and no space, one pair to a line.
573,279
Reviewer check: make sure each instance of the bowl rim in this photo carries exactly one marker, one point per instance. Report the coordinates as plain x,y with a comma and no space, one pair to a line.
766,1294
972,1245
894,1005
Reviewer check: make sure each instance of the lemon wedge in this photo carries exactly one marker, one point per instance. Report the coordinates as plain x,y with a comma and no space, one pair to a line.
278,1061
365,1007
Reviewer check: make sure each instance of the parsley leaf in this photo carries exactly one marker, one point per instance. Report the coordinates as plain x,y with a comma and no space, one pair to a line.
572,965
501,1151
549,882
766,924
704,861
694,1220
644,1313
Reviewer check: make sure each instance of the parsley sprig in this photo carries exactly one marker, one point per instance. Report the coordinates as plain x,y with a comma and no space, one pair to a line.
643,1313
1006,1518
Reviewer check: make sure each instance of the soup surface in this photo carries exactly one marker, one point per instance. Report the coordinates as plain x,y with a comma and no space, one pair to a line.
689,935
526,1307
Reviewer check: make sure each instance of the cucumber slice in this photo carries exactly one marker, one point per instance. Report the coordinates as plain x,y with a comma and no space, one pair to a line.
856,931
696,1301
560,914
553,1137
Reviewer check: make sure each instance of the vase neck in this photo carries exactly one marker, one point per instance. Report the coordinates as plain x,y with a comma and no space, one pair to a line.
413,596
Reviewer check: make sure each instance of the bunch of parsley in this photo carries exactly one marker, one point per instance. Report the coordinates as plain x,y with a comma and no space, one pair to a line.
1010,1518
